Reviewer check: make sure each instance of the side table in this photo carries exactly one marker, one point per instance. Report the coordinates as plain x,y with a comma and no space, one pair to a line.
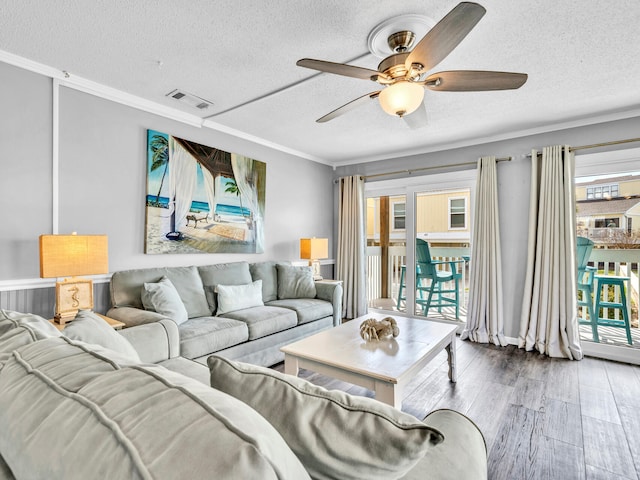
116,324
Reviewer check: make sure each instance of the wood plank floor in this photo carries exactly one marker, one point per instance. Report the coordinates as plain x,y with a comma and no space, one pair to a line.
542,418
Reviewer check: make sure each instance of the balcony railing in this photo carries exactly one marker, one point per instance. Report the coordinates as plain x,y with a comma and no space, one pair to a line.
397,258
625,262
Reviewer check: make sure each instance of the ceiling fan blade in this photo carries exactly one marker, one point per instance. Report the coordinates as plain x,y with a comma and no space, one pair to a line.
474,81
348,106
417,119
340,69
445,35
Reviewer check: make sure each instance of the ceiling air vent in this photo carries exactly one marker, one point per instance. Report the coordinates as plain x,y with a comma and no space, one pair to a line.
189,99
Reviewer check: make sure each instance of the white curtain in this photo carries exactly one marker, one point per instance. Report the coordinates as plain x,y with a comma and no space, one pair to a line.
485,319
351,257
549,321
182,181
211,190
246,179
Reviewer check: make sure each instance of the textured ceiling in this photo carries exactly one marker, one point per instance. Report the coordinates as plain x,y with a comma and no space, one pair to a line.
582,58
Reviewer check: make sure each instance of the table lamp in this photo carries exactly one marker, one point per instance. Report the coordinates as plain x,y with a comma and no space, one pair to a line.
313,249
70,256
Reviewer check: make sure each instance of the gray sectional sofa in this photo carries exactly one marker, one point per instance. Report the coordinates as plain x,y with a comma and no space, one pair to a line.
93,403
237,310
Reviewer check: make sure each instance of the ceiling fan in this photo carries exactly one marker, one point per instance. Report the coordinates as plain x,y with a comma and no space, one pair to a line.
403,74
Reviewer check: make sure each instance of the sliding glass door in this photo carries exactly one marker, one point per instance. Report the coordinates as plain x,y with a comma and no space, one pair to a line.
401,219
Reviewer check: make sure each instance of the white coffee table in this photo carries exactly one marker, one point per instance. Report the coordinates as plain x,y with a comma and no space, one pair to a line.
384,366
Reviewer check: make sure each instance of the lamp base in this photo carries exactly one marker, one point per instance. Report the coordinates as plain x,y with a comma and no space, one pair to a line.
72,294
315,266
65,318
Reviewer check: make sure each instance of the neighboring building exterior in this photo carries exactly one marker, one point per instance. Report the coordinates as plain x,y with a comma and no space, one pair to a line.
608,207
442,218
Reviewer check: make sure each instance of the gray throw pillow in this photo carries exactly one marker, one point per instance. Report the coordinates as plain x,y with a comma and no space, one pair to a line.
335,435
90,328
295,282
162,297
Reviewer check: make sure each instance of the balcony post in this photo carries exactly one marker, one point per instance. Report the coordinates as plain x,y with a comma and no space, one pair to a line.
384,247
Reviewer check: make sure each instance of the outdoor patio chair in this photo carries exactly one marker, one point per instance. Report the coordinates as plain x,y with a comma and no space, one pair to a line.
431,280
585,285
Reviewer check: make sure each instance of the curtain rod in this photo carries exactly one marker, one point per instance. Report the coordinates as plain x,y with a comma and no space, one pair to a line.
413,170
597,145
606,144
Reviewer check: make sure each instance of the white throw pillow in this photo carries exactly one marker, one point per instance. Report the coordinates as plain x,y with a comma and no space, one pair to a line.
162,297
237,297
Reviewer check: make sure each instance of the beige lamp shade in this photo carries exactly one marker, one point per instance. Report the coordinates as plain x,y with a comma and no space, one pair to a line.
314,248
70,256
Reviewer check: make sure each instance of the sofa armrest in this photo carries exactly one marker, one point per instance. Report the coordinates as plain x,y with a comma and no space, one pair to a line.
461,456
132,316
331,292
155,341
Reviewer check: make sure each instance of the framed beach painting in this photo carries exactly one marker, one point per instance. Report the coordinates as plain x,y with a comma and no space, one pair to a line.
201,199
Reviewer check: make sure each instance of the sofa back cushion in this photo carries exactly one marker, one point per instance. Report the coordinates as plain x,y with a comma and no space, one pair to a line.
268,273
233,273
295,282
59,400
127,287
18,329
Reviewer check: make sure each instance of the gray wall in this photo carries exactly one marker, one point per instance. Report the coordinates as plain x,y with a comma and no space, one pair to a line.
103,179
25,169
513,186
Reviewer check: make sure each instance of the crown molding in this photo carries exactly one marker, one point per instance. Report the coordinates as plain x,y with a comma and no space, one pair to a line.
261,141
69,80
582,122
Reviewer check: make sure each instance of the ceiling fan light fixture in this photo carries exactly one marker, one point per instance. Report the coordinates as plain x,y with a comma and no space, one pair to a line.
402,98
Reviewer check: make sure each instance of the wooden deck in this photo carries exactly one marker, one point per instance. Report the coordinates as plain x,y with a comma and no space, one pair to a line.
542,418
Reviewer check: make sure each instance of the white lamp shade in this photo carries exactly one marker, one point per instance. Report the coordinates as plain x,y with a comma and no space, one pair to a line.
401,98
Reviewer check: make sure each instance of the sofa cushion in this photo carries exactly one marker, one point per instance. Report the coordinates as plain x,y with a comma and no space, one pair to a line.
263,321
10,319
335,435
136,422
126,287
307,309
295,282
162,297
90,328
237,297
268,273
18,329
205,335
234,273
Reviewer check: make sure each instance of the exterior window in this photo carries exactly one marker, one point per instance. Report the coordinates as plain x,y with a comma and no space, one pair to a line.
398,216
457,213
607,223
603,191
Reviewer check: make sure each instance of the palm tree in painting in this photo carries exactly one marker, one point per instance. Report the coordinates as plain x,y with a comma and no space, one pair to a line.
232,187
160,157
